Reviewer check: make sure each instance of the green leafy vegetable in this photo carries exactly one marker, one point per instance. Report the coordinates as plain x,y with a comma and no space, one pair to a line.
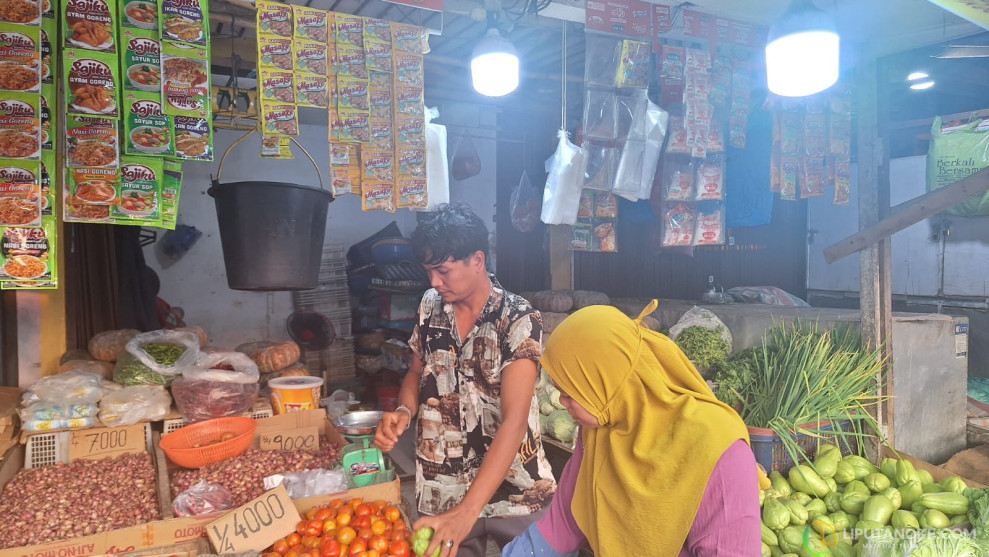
703,346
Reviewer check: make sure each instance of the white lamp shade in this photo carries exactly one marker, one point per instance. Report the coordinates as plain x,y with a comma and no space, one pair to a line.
802,64
802,52
494,66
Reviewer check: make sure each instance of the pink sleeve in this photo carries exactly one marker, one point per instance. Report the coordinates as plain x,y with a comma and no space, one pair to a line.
728,521
558,526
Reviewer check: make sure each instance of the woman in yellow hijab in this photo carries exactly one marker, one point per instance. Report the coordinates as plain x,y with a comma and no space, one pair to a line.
661,467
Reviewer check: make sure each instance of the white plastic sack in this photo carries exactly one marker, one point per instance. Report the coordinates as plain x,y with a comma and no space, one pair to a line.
244,369
73,387
700,317
561,196
437,171
131,405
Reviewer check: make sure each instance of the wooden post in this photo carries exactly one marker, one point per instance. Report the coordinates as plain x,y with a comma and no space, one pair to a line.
874,261
560,258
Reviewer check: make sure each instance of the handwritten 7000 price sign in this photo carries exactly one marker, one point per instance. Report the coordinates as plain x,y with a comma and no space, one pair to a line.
255,525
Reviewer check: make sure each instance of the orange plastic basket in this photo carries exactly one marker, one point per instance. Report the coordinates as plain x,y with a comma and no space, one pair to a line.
180,445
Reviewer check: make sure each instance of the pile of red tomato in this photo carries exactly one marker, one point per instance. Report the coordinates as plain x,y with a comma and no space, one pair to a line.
351,528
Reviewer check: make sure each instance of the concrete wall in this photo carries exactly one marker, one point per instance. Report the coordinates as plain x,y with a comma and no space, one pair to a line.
197,282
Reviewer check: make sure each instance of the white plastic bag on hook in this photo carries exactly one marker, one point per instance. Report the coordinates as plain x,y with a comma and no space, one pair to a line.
437,171
640,157
563,182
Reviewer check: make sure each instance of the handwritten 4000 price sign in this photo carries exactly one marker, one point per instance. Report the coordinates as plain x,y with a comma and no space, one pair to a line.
255,525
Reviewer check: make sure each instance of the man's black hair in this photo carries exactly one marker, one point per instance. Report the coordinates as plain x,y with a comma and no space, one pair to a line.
454,230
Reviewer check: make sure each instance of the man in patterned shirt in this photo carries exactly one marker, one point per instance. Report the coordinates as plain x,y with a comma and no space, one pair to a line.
480,467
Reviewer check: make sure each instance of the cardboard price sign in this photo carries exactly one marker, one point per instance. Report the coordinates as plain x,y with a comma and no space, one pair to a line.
255,525
296,439
103,442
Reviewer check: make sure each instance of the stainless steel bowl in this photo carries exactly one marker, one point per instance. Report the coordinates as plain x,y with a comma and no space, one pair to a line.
358,423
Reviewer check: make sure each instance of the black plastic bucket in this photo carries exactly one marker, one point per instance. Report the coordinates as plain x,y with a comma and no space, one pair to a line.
271,233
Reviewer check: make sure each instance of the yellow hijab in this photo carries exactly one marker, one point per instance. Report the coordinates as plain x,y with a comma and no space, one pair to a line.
645,470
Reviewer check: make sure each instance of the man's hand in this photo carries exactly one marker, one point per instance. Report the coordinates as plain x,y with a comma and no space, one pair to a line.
451,526
391,426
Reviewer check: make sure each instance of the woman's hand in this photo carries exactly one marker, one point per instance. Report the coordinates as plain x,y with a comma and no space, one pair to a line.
449,529
391,426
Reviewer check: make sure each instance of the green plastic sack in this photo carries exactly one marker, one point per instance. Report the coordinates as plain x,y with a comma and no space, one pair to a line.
955,155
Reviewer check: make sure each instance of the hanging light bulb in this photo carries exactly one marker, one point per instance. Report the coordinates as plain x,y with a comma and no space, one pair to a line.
494,65
802,51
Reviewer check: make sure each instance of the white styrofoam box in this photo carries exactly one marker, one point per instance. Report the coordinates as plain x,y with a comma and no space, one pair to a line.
49,448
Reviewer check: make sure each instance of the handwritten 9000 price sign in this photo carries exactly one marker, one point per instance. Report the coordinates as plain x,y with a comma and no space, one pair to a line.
256,525
296,439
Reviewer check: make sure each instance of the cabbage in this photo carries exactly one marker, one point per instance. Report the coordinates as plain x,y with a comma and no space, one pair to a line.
561,425
923,543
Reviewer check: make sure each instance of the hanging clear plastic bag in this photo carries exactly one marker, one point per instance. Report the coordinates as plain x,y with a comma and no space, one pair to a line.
130,405
466,163
602,55
202,498
525,205
628,176
561,196
599,114
599,165
437,171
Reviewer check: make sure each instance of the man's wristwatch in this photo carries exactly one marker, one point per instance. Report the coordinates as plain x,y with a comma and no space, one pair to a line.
407,409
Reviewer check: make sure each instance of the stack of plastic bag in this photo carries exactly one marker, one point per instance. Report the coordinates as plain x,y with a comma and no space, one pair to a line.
437,173
68,400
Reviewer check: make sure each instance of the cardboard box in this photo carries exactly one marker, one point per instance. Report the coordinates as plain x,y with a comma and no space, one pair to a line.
171,531
10,399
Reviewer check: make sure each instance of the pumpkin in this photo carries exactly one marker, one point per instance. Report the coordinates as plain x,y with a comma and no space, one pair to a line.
108,345
551,320
96,367
584,298
557,301
271,356
75,354
199,332
369,343
650,323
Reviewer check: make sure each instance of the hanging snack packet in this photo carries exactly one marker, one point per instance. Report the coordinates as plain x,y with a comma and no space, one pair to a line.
678,179
678,226
344,170
605,237
351,62
311,90
412,193
91,142
381,103
138,14
140,191
789,175
677,144
20,193
310,58
20,126
279,118
409,69
47,104
582,236
274,19
20,50
842,183
147,131
185,81
409,101
382,134
377,31
585,207
355,126
349,31
815,135
276,147
378,166
605,206
171,189
378,57
353,94
48,32
671,62
710,179
633,66
27,254
141,62
48,188
410,38
710,229
311,24
277,86
411,162
377,196
410,132
193,138
275,54
27,12
95,186
381,80
812,177
89,24
185,21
